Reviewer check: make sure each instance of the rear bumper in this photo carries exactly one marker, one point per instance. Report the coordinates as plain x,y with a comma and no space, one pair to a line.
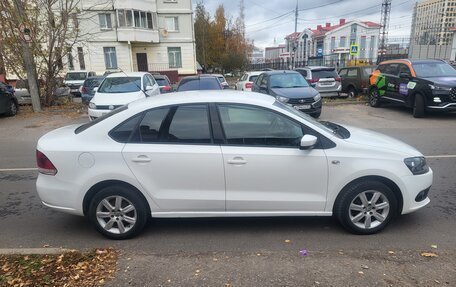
330,94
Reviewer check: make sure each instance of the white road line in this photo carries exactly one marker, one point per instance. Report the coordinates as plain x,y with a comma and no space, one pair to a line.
441,156
18,169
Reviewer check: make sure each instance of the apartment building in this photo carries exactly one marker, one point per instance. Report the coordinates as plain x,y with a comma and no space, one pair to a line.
432,22
135,35
332,41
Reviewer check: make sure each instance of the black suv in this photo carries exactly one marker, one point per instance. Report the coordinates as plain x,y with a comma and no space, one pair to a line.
291,88
424,85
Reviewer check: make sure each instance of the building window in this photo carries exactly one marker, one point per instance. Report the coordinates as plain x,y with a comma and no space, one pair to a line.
82,65
70,59
105,21
110,57
149,21
172,23
342,42
175,57
137,19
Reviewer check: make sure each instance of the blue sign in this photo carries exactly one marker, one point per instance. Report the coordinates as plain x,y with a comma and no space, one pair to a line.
319,52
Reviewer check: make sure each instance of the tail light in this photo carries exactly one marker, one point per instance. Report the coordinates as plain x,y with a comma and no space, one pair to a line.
166,88
314,80
248,85
338,79
83,90
45,166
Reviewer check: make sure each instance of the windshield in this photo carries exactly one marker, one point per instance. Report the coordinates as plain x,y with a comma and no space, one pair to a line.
91,83
76,76
288,80
162,82
427,70
303,116
203,83
120,85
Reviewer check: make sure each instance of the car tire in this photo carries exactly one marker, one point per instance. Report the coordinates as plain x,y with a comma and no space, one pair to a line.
12,109
418,106
118,212
351,92
374,100
360,213
317,115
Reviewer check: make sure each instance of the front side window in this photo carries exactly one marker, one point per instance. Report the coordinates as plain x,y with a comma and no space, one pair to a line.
105,21
110,57
175,57
120,85
252,126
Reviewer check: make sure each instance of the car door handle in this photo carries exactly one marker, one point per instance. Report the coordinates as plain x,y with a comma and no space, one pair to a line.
237,161
141,158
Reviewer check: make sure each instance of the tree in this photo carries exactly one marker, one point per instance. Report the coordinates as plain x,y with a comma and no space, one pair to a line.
202,27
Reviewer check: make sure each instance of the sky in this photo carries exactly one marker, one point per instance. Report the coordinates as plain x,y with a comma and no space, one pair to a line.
267,20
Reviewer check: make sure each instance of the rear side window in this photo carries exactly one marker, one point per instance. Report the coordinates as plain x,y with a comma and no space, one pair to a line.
352,73
190,124
343,72
368,70
149,128
122,132
323,74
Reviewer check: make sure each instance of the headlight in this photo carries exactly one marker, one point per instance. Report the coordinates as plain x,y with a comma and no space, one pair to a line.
282,99
417,165
92,106
317,97
439,88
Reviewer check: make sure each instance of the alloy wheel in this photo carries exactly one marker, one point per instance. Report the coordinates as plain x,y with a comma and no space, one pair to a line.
116,214
369,209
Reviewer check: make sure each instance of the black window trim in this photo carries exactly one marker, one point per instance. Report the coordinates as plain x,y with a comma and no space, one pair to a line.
166,124
322,143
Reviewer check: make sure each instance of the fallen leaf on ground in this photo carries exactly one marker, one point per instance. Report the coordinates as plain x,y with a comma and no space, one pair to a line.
434,246
360,272
390,252
287,241
429,254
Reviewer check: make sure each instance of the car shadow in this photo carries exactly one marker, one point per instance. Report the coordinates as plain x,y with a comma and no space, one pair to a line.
429,114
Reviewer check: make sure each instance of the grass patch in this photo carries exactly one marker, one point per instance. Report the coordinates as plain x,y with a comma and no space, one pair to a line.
72,268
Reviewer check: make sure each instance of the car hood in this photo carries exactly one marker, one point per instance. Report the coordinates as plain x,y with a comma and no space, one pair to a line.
443,81
116,98
370,138
295,93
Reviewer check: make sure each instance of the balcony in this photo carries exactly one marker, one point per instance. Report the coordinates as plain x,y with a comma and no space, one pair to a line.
125,34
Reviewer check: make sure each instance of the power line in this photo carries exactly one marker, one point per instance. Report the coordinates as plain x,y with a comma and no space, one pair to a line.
271,19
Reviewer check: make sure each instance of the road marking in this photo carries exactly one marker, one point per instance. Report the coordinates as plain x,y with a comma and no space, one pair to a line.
18,169
441,156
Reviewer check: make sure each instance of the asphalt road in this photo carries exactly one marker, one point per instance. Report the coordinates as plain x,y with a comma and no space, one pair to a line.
25,223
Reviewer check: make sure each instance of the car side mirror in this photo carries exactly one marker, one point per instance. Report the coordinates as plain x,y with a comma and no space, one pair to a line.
308,142
404,75
148,88
95,89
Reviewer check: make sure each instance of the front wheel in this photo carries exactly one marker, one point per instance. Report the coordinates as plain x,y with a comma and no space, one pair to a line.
118,212
374,100
418,106
12,109
366,207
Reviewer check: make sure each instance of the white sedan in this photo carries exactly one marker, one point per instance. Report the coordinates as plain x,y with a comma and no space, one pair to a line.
226,153
119,89
245,83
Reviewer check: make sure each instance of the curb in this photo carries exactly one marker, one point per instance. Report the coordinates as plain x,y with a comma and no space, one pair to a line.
32,251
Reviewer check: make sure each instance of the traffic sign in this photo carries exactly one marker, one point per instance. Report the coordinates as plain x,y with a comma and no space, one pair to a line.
354,50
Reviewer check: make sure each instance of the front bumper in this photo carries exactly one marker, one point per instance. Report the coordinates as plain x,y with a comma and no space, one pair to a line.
413,185
443,107
313,108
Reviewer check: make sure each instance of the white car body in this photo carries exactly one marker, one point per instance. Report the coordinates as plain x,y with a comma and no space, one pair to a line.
217,180
103,103
241,85
74,85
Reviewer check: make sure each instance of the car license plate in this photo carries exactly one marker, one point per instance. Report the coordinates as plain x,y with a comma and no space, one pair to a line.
74,90
302,107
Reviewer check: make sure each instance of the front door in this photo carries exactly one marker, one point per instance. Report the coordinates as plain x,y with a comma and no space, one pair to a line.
141,59
264,168
174,159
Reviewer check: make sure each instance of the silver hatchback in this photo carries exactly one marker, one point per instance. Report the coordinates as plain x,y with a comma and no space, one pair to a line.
324,79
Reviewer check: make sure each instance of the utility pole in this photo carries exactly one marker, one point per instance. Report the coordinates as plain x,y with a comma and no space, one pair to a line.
296,17
28,61
384,24
295,42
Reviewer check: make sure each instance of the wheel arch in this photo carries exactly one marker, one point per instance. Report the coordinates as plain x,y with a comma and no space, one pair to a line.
388,182
411,99
100,185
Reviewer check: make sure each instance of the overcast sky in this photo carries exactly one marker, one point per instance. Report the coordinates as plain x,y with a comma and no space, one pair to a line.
269,19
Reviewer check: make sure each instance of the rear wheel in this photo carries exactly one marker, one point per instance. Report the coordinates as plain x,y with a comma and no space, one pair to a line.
418,106
374,100
366,207
352,92
12,109
118,212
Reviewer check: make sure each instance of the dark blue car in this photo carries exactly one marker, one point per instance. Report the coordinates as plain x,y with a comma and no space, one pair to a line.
290,87
87,87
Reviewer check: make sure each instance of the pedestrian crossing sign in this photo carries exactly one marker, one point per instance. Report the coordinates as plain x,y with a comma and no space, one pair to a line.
354,50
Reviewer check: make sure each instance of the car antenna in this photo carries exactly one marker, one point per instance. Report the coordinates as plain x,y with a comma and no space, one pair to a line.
139,86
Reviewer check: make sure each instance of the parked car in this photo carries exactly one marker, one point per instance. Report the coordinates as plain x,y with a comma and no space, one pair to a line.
245,83
221,79
75,79
196,83
291,88
87,89
22,92
230,154
8,103
119,89
355,80
8,87
423,85
164,83
324,79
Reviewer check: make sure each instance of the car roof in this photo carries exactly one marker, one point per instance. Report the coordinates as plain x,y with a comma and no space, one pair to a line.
209,75
254,73
318,67
212,96
126,74
275,72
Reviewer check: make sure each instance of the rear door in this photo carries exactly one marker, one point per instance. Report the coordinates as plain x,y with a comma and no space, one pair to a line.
173,156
